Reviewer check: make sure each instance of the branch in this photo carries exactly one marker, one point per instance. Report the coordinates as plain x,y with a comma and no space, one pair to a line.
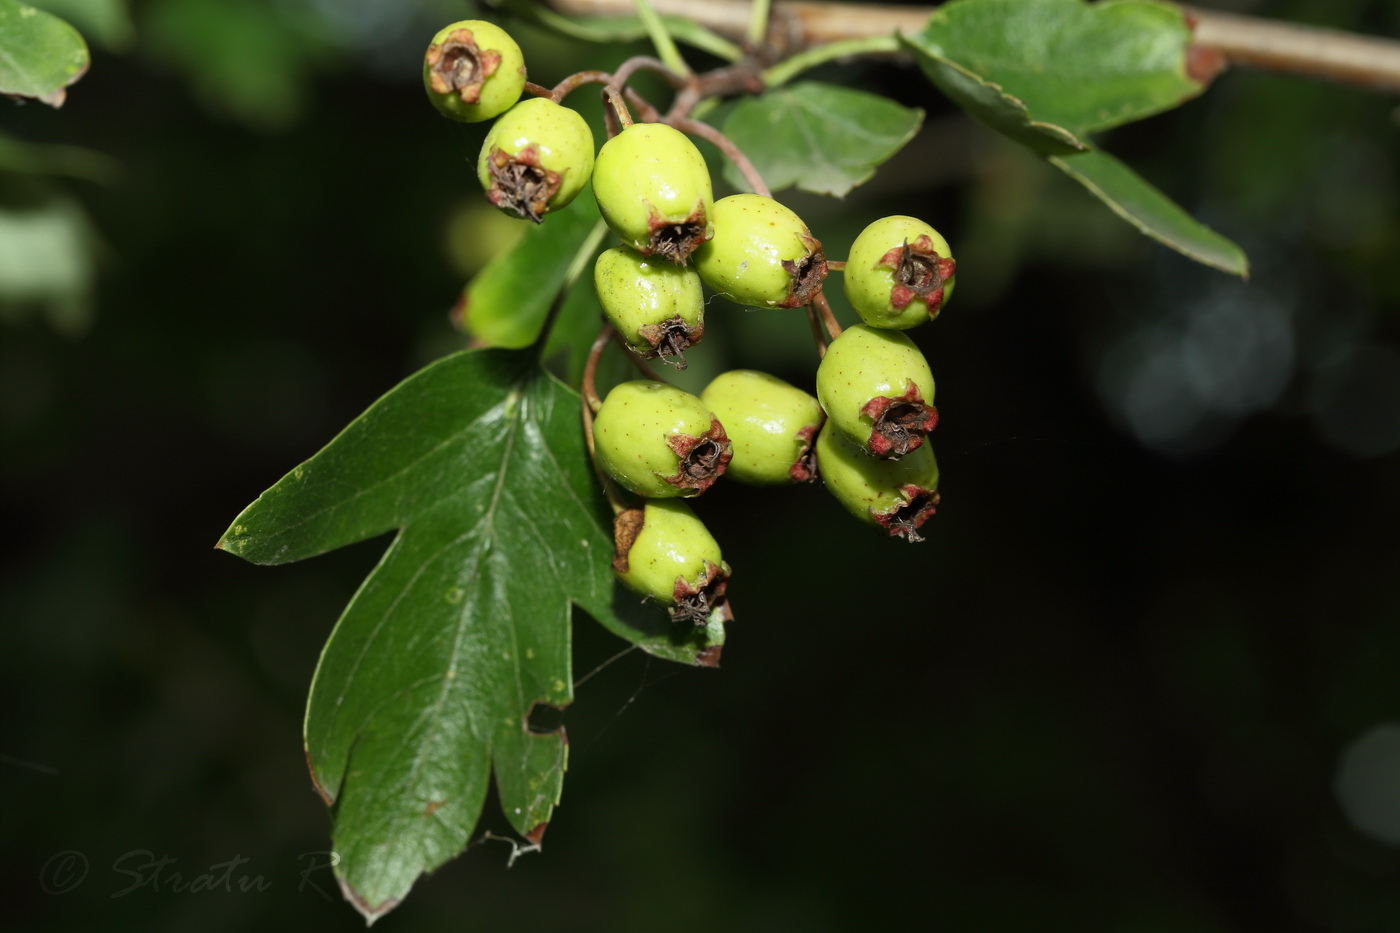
1226,38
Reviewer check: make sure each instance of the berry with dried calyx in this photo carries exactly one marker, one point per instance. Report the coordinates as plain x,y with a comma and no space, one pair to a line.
899,273
877,389
659,441
653,189
762,254
536,158
473,71
895,495
658,307
772,425
665,552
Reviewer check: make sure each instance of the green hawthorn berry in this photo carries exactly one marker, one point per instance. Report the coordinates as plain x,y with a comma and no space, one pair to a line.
899,273
771,424
653,189
657,307
473,71
877,389
536,158
659,441
896,495
664,552
762,254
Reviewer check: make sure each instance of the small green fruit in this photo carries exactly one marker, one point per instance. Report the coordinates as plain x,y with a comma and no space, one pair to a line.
473,71
771,424
659,441
877,389
895,495
762,254
899,273
657,307
653,189
536,158
664,552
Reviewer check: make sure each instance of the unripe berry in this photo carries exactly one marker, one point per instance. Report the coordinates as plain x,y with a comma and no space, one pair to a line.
657,307
473,71
659,441
536,158
664,552
771,424
762,254
653,189
877,389
895,495
899,273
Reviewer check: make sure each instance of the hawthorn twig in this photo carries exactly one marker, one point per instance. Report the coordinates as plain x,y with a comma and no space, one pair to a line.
726,146
1247,41
828,318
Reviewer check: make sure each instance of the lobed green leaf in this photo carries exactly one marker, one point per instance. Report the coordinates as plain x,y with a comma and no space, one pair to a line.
427,682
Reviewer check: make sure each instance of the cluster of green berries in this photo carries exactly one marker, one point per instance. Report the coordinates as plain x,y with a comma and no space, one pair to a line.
864,431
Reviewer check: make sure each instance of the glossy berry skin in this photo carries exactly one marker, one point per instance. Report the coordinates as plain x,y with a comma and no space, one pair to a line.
771,423
473,71
899,273
536,158
653,189
762,254
665,552
658,307
877,389
896,496
659,441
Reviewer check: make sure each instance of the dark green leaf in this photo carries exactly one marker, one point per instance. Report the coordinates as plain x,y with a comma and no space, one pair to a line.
427,682
1150,211
1048,72
990,104
40,54
1079,66
506,303
821,137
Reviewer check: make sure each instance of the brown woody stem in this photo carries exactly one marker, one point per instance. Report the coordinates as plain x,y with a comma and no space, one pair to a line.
1252,42
725,145
828,318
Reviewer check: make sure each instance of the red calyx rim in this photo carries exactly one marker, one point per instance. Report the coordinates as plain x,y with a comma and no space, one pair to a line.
459,64
904,519
703,459
919,272
901,423
520,184
804,468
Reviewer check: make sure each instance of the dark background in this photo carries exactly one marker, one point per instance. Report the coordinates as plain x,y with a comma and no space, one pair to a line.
1141,676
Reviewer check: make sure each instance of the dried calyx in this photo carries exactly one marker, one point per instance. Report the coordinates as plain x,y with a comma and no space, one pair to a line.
520,185
703,459
900,423
457,64
671,337
904,519
919,272
807,274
